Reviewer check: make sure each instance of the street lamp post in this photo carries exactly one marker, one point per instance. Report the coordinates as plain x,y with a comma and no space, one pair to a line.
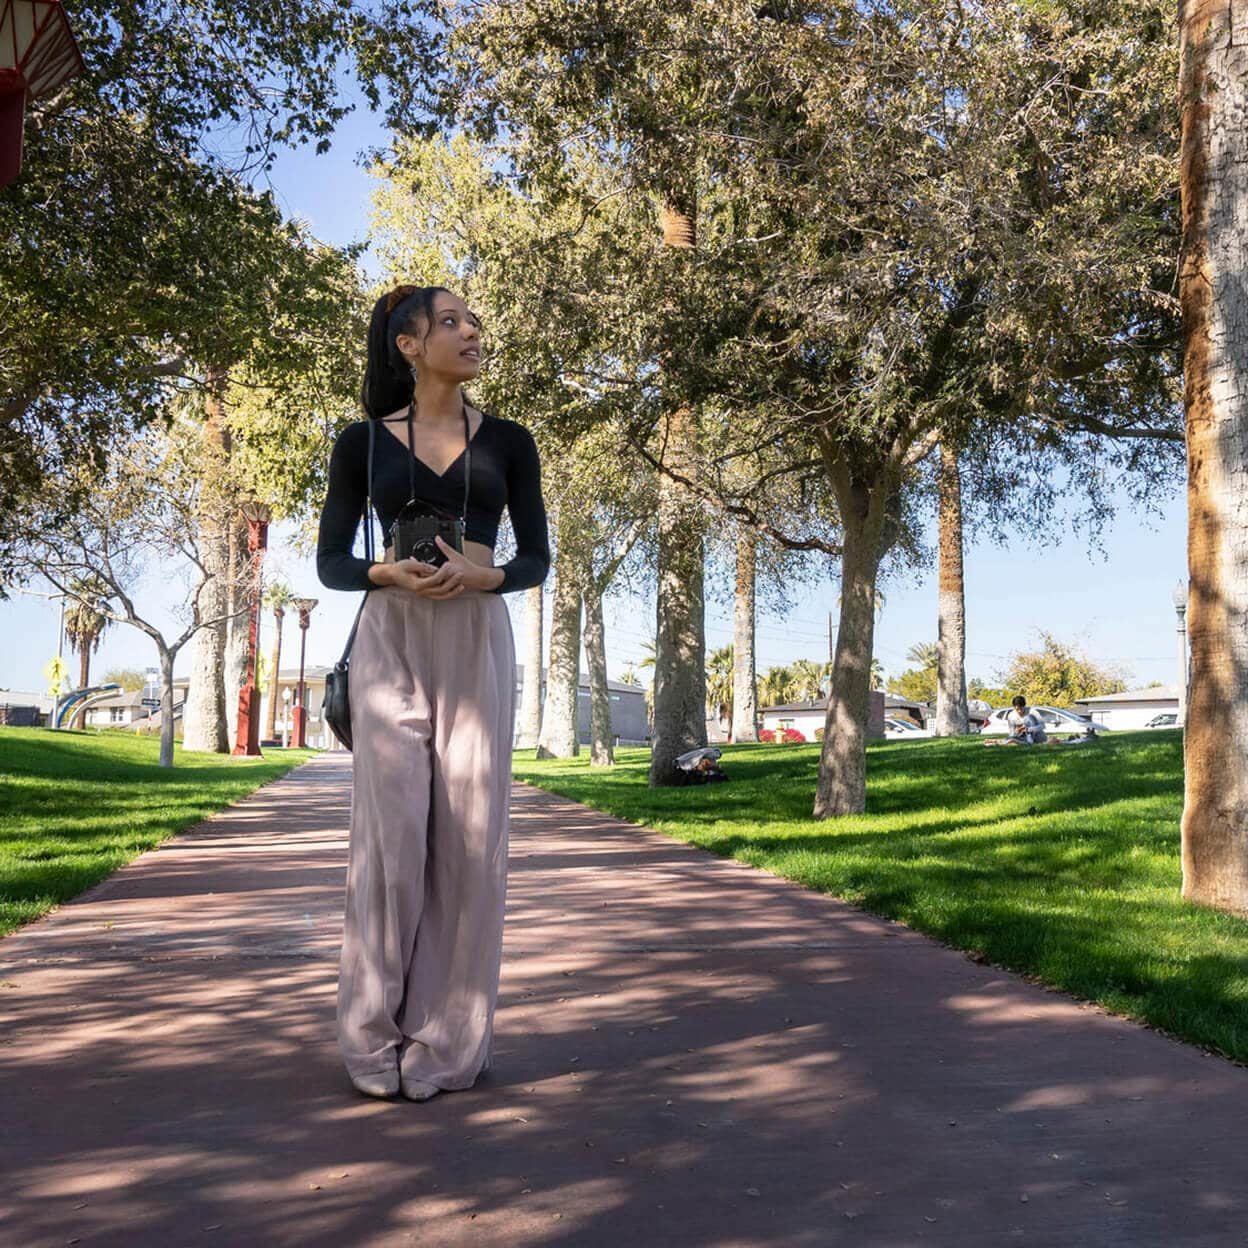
247,733
1179,598
285,717
304,606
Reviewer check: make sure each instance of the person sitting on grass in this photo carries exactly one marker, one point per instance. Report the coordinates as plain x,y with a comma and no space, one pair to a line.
1025,724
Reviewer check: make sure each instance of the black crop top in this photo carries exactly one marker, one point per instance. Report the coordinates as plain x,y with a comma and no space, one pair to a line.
505,471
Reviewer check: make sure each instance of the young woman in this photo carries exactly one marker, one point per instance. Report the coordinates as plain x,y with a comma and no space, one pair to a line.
432,701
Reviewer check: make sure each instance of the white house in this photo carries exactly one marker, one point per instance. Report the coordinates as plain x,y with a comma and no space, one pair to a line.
806,717
1130,710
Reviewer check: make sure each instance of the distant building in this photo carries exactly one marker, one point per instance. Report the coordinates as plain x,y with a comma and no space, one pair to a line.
809,717
1130,710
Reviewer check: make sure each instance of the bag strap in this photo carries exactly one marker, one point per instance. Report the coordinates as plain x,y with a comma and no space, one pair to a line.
368,539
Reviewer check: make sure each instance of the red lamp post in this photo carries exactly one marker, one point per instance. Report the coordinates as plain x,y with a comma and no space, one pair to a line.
247,730
37,55
304,606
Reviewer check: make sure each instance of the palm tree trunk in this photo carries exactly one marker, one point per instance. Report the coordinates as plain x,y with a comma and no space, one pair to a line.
680,636
204,714
744,676
841,788
559,737
951,713
601,753
1214,297
531,691
84,659
270,719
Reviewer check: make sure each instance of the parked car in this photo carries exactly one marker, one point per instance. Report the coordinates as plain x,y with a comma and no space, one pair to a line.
1167,719
1055,720
895,726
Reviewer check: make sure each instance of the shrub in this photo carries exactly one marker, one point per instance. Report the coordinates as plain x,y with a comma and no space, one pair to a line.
766,734
792,734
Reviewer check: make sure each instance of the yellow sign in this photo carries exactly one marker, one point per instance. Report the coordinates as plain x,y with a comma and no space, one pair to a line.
58,677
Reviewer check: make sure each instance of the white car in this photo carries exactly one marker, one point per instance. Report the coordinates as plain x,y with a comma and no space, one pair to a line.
1055,721
895,726
1167,719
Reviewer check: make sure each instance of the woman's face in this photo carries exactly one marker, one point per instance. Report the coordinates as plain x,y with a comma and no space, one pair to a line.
452,347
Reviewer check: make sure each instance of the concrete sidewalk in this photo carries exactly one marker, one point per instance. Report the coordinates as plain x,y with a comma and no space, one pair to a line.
687,1051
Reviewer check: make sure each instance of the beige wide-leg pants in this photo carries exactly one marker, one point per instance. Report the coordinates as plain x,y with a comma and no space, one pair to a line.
432,716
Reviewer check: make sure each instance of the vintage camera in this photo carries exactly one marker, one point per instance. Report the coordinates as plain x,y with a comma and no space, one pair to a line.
413,536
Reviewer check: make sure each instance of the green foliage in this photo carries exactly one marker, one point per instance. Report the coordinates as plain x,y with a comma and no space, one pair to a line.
75,806
1057,675
917,684
1058,863
129,678
991,694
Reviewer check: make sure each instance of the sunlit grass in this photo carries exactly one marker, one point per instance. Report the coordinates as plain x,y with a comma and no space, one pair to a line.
1082,894
75,806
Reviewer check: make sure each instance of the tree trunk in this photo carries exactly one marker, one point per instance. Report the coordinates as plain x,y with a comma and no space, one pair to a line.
204,714
531,692
238,627
275,688
744,678
601,751
842,783
951,713
166,708
680,635
1214,297
84,659
559,737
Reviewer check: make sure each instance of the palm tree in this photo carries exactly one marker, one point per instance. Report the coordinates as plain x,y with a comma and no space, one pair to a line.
878,674
776,686
809,679
719,668
951,714
629,677
85,622
924,655
277,598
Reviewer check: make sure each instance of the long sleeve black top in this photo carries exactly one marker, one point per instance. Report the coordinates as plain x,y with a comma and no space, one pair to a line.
506,471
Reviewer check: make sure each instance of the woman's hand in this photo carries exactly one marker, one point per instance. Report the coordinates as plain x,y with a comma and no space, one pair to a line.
450,580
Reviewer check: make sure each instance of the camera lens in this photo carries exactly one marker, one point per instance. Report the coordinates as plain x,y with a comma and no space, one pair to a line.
426,551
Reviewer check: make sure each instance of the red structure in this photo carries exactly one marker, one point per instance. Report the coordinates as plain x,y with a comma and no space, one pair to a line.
37,55
247,730
304,606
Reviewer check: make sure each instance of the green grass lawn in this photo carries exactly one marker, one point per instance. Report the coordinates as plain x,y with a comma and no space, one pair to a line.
75,806
1082,895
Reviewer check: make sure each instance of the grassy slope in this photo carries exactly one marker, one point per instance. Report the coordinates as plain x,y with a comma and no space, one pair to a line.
75,806
1083,894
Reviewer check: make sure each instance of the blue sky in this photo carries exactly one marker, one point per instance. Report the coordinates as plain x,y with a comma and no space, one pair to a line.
1115,603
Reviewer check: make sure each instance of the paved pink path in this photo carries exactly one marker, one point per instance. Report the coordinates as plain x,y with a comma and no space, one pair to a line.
688,1052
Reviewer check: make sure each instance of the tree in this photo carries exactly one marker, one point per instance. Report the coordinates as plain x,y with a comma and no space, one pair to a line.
143,510
531,692
744,699
876,287
1057,675
85,623
130,679
719,684
1215,197
951,713
918,684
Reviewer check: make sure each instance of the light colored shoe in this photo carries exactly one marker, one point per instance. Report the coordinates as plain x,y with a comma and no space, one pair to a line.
419,1089
384,1083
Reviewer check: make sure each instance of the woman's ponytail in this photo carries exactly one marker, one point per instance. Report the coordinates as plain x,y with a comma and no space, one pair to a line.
388,380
